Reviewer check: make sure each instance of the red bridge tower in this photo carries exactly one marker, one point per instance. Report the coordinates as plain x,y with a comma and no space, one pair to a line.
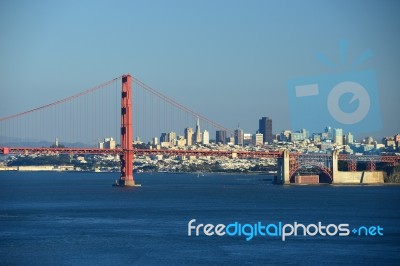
127,154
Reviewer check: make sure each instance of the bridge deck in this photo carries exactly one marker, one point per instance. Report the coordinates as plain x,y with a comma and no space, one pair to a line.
203,152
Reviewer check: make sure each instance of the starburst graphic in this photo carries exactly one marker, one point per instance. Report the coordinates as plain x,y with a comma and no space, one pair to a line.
346,100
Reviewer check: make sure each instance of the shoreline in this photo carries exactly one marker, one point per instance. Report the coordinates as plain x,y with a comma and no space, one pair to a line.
211,173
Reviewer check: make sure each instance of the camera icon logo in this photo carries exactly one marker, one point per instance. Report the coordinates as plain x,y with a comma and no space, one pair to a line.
359,93
347,100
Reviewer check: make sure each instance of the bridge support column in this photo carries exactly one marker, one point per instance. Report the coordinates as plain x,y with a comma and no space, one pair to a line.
335,165
371,166
283,176
127,155
352,165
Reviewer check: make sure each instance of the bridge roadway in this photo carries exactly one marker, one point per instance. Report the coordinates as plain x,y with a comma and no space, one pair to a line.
239,154
203,152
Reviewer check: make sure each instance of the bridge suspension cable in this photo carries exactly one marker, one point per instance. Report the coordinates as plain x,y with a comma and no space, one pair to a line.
62,100
86,118
178,105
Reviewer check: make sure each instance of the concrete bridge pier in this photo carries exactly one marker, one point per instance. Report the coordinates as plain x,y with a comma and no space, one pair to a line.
354,177
283,176
338,177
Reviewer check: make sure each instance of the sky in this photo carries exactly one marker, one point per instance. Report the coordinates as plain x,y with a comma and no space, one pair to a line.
228,60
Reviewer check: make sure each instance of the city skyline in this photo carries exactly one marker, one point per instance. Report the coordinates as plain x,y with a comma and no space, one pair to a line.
336,135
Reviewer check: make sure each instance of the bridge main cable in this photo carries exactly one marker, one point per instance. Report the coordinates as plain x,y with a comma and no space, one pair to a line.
178,105
62,100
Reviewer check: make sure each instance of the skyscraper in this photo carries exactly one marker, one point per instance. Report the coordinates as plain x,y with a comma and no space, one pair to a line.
305,133
220,136
239,136
258,139
206,138
197,136
349,138
172,138
328,131
164,137
189,136
265,128
108,143
338,136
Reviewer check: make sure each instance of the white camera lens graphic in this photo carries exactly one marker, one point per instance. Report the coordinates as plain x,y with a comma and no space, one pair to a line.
359,93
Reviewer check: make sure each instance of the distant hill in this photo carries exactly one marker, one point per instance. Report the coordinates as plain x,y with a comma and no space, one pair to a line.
16,142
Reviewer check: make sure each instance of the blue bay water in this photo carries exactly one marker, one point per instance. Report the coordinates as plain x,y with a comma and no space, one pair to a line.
79,218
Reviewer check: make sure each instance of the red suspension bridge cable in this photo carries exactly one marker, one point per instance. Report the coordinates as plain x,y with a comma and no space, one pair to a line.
74,125
178,105
61,101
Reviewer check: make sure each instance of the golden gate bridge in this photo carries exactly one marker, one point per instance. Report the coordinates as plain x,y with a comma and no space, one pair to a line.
105,110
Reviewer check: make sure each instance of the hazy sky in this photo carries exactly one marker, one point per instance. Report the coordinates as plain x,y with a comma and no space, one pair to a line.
228,60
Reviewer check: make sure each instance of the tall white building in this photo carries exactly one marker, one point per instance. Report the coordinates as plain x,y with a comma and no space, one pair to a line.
338,136
350,138
108,143
172,138
206,137
258,139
